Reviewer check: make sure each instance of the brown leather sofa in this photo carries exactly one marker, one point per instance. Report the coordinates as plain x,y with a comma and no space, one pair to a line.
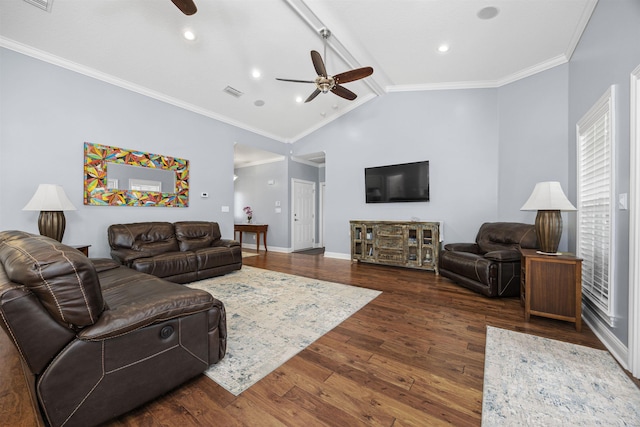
491,265
181,252
98,339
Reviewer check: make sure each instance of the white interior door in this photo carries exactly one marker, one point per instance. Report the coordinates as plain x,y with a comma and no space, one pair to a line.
303,215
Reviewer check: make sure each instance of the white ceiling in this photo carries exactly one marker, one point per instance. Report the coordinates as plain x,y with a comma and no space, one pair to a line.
138,44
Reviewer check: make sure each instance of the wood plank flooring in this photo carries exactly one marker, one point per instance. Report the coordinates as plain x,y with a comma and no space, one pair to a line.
414,356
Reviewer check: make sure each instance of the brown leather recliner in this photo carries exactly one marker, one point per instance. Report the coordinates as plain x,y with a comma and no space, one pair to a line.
491,265
98,339
182,252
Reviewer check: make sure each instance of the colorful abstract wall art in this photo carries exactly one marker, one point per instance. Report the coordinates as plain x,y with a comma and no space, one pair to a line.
97,192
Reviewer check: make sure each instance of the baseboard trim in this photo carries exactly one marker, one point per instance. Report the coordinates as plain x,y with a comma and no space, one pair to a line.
616,347
337,255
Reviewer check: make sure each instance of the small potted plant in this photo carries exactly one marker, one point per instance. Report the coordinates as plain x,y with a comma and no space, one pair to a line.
247,210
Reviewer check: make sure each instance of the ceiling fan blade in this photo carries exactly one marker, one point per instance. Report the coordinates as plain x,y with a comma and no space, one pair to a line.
318,64
357,74
295,81
187,7
343,92
313,95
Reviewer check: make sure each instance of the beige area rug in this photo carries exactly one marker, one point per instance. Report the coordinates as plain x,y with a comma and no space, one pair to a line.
248,254
534,381
272,316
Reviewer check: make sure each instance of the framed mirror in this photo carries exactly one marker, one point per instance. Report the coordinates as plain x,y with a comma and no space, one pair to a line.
119,177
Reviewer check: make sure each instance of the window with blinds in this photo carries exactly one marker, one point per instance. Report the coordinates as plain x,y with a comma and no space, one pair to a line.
595,205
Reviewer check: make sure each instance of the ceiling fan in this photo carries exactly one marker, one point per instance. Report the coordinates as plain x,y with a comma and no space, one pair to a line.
326,83
188,7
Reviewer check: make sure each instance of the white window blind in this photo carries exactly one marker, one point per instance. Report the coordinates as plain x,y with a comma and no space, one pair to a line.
595,205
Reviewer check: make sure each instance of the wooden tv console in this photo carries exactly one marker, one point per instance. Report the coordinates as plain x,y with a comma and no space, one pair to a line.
404,244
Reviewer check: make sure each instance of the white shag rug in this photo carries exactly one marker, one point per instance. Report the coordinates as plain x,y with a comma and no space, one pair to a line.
271,317
535,381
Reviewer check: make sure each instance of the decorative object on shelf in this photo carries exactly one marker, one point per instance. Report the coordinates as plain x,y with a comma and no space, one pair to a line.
247,210
51,201
548,199
100,160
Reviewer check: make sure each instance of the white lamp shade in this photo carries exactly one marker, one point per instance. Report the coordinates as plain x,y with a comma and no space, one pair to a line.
548,196
49,197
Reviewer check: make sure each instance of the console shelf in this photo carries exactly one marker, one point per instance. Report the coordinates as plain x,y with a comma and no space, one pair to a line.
404,244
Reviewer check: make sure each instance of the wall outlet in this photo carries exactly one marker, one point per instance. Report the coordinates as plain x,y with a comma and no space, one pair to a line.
204,194
225,209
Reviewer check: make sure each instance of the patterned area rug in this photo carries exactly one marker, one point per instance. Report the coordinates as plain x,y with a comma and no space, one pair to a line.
534,381
273,316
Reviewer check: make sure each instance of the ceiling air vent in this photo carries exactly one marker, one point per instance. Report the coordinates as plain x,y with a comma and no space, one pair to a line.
41,4
232,91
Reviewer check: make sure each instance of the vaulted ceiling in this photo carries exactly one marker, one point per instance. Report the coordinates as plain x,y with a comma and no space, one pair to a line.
139,44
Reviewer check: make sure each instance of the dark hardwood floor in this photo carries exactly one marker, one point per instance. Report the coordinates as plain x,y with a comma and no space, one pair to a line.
414,356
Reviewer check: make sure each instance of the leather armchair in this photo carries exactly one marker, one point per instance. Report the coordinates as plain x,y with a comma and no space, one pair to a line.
98,339
491,265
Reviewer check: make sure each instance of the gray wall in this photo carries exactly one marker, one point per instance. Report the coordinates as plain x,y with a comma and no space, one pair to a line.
534,138
46,115
608,52
253,188
457,131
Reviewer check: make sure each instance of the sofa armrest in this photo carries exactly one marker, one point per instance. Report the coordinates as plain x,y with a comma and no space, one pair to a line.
127,256
142,302
506,255
462,247
225,243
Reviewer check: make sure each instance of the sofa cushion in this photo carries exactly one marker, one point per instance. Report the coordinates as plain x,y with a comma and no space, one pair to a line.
193,235
496,236
216,257
63,279
167,265
151,238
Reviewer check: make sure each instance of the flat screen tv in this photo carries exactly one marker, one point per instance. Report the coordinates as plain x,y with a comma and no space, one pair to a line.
406,182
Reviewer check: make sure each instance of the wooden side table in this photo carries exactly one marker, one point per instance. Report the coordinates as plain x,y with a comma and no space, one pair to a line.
551,286
252,228
82,248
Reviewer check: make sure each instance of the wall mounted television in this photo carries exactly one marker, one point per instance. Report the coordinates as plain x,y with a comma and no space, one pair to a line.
406,182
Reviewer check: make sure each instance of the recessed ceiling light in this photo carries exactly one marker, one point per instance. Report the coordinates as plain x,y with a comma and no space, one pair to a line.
258,103
256,73
299,99
488,12
443,48
189,35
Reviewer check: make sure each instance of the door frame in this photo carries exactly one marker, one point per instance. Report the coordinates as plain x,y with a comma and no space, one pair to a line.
633,355
323,187
293,200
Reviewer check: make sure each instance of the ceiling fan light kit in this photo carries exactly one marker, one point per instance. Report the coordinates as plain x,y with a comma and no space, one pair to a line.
326,83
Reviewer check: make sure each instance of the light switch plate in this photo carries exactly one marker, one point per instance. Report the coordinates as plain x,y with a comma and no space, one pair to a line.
225,209
623,202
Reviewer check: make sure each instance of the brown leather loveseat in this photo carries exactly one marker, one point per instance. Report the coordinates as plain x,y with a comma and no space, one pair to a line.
98,339
181,252
491,265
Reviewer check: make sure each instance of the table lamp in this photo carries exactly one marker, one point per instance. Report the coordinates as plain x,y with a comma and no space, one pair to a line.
548,199
50,200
